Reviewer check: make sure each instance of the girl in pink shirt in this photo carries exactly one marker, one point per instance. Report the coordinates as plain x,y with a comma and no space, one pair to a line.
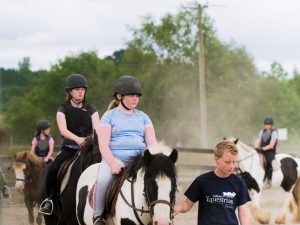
43,143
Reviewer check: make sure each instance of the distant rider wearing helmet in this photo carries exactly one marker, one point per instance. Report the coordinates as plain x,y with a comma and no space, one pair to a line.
76,119
42,144
125,132
266,142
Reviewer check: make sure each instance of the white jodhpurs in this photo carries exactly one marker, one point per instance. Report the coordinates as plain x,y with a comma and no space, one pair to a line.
104,179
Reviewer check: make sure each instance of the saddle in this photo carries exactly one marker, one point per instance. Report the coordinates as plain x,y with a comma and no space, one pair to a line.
111,194
64,172
263,161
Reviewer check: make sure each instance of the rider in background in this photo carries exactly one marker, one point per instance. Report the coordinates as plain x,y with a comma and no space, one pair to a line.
42,144
124,132
219,192
266,142
76,119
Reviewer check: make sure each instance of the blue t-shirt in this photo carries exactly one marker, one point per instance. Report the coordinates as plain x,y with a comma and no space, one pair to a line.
218,198
127,135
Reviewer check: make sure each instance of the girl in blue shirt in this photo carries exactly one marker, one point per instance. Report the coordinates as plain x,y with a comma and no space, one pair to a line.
124,132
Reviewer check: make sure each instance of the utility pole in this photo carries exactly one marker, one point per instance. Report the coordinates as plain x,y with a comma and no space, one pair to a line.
202,90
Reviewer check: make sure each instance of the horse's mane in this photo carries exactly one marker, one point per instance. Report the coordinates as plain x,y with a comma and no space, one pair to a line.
27,155
35,159
242,144
160,147
160,165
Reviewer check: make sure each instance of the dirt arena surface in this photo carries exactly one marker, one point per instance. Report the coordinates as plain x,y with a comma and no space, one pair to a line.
13,210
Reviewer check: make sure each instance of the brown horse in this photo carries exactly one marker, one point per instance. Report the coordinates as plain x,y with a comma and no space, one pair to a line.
28,171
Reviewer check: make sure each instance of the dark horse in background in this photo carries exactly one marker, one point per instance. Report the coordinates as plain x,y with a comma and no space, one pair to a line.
4,190
28,170
64,211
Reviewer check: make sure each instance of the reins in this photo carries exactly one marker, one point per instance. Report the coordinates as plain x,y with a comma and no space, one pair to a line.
151,204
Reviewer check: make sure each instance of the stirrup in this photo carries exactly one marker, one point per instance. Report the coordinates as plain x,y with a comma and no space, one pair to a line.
101,220
47,200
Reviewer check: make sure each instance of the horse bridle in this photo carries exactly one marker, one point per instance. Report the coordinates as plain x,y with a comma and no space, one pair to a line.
26,181
150,204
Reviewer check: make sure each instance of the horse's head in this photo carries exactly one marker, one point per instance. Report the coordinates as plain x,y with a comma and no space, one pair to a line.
159,178
90,152
25,165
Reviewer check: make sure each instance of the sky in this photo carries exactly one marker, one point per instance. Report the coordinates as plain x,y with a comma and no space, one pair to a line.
49,30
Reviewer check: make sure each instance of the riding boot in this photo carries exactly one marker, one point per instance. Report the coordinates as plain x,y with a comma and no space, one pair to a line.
46,207
99,221
269,178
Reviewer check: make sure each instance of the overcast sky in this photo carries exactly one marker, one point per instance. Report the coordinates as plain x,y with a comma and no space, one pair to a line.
48,30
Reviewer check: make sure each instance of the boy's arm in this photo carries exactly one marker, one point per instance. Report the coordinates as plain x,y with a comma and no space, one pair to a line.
183,207
244,215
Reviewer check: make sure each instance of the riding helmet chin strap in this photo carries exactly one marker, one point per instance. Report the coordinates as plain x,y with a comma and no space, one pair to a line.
122,103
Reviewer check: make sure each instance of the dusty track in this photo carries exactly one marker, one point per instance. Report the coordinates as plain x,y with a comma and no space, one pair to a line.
13,211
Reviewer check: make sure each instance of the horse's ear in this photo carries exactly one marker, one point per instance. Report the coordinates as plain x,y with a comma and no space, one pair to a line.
95,138
147,156
174,155
224,138
15,156
236,141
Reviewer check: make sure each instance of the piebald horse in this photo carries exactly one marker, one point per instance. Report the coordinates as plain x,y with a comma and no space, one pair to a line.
64,212
147,195
285,176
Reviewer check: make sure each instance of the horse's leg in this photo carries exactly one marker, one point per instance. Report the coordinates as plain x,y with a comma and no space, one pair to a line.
281,217
293,210
29,206
296,194
260,215
39,219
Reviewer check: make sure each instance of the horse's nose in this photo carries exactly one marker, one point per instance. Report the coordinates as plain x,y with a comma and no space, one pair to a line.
162,222
20,187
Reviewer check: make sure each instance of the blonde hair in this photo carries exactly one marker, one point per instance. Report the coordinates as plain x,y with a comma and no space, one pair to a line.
113,104
225,146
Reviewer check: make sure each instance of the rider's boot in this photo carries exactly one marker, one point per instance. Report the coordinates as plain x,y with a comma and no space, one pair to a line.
99,221
46,207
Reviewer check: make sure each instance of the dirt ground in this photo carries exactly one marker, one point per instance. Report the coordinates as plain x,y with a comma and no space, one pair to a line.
13,210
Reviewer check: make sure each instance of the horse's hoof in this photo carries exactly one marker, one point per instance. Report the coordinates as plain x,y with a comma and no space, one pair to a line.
263,217
280,219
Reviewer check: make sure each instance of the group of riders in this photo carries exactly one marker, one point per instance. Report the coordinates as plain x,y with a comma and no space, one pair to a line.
123,132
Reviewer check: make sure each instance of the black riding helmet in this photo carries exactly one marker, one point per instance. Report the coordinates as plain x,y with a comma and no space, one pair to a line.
75,81
127,85
269,120
42,125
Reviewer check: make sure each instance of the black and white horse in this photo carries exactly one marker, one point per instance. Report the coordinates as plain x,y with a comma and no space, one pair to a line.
147,196
285,176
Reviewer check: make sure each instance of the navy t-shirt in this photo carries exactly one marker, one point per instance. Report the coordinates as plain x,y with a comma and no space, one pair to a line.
218,198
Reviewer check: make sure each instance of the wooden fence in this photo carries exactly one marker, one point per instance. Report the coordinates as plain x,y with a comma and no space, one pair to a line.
189,158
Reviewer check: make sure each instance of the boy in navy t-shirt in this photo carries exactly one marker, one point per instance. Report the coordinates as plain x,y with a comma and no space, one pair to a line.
219,192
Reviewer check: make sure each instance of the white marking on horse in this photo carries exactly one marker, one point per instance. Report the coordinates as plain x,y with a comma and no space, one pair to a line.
161,210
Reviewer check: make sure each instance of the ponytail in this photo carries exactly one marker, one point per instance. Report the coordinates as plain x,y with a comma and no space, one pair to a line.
113,104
